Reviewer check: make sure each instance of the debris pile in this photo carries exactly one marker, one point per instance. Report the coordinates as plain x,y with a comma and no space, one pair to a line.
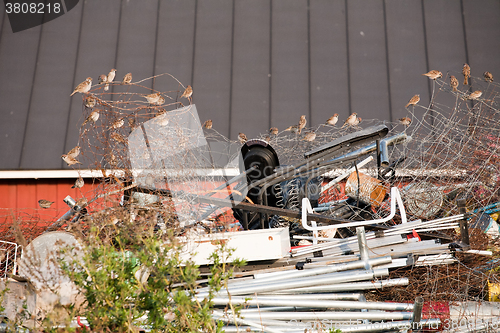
328,216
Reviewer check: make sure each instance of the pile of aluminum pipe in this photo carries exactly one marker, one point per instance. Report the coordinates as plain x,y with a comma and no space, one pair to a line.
314,298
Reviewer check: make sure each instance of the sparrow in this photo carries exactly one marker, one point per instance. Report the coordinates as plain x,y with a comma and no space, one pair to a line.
117,137
83,87
110,78
162,121
352,120
90,101
102,79
357,121
453,82
208,124
127,79
433,74
488,77
188,92
242,138
131,123
406,121
294,129
45,203
73,153
94,115
466,73
414,100
302,122
310,136
333,120
273,130
475,95
161,101
117,124
78,183
153,98
82,202
69,160
267,138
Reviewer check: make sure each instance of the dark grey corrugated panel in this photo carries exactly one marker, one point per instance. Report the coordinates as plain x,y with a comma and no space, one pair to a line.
407,60
367,59
482,23
289,71
445,43
212,62
96,56
17,67
174,50
137,39
329,74
250,98
47,116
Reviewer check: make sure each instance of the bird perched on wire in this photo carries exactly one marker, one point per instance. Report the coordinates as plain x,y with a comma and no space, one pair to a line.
293,129
414,100
273,131
153,98
453,83
333,120
488,77
302,122
466,73
73,153
433,74
188,92
70,160
117,124
310,136
90,101
78,183
102,78
127,79
45,203
110,78
242,138
83,87
94,115
208,124
475,95
117,137
406,121
352,120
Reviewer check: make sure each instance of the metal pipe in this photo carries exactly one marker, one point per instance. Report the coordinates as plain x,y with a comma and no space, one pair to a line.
331,315
384,154
363,248
342,287
288,275
417,310
220,316
310,303
332,278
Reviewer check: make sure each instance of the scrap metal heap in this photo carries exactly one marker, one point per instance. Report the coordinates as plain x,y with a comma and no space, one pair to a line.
332,227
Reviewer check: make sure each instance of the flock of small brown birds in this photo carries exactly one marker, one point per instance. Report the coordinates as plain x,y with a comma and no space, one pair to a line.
90,102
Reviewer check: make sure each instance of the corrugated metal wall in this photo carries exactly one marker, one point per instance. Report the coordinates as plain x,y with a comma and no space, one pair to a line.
253,64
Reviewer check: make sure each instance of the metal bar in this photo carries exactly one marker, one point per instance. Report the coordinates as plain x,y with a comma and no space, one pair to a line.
464,227
318,304
363,248
417,310
330,315
342,287
357,275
